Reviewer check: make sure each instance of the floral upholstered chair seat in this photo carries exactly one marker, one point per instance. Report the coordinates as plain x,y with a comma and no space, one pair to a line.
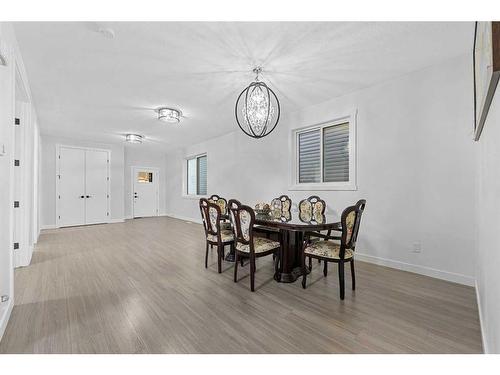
260,245
327,249
226,235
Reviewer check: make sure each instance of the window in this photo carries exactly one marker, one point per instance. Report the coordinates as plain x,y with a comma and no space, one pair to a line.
325,156
197,175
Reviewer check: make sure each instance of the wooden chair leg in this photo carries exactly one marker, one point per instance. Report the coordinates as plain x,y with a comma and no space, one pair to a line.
252,274
310,264
206,257
235,267
277,265
222,249
353,275
325,268
304,270
219,259
341,279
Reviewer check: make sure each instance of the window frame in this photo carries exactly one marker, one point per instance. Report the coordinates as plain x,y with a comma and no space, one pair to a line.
350,185
185,183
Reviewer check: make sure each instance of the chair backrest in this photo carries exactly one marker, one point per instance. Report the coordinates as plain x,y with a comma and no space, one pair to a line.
211,215
351,219
244,218
221,202
284,203
313,205
203,203
232,205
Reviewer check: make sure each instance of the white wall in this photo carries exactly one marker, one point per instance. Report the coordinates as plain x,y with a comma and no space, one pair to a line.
141,156
48,179
415,168
27,193
488,228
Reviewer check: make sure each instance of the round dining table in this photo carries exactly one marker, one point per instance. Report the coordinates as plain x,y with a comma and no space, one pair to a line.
291,227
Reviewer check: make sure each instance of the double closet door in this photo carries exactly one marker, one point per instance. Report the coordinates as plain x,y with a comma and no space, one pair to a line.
82,179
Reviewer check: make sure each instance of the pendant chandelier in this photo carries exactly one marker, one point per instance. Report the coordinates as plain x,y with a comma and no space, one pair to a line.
257,108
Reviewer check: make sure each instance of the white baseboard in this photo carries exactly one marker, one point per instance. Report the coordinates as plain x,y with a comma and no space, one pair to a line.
421,270
50,226
185,218
4,318
112,221
483,336
128,217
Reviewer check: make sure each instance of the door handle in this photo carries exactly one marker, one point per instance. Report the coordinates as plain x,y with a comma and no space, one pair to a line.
82,196
88,196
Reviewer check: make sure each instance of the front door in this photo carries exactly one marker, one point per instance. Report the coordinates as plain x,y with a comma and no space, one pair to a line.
145,191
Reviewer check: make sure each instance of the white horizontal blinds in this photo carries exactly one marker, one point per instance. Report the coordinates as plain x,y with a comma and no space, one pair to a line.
191,176
202,175
310,156
336,153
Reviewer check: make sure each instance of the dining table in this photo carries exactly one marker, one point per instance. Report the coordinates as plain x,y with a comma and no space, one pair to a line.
291,227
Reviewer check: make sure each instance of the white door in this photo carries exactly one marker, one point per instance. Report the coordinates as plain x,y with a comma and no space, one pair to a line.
145,191
71,179
96,186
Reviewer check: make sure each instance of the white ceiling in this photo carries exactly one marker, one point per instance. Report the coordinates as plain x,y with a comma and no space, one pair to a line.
88,86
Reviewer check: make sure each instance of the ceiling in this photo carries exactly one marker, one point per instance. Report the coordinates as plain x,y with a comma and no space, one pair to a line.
92,87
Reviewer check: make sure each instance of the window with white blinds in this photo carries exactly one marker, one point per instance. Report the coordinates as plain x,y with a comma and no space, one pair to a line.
325,156
310,156
336,153
197,175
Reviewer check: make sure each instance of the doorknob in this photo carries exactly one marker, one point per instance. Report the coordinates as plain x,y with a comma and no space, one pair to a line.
88,196
82,196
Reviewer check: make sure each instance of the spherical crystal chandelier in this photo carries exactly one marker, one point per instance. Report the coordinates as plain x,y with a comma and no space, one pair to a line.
257,108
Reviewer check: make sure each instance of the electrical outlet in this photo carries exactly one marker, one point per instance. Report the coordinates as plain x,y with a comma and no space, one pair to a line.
417,247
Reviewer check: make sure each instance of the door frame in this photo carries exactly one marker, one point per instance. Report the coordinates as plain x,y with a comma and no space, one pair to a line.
58,152
132,183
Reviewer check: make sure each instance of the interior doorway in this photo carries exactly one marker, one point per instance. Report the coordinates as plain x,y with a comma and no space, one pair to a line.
145,191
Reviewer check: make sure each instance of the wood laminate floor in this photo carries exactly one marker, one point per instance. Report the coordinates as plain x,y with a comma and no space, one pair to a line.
141,287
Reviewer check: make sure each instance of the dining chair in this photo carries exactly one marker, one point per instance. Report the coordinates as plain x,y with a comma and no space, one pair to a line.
222,203
248,246
283,203
279,206
313,205
215,235
340,251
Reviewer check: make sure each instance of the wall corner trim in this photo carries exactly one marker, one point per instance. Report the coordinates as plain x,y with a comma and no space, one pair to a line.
481,323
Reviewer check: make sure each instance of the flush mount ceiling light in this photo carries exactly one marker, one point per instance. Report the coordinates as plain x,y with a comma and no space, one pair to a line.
134,138
169,114
257,108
